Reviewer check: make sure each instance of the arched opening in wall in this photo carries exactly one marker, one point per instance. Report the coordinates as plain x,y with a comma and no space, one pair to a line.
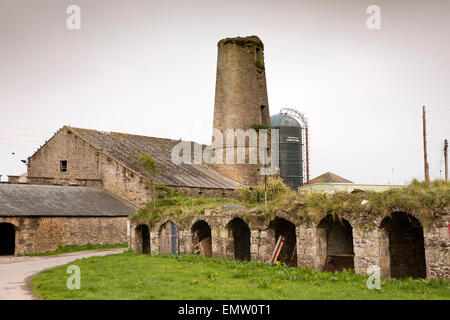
405,246
168,238
285,229
7,239
143,237
335,244
201,238
239,238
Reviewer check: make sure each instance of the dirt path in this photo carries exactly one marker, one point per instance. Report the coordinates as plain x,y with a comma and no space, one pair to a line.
16,271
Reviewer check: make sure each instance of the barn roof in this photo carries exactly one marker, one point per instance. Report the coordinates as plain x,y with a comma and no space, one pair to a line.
58,201
126,148
329,177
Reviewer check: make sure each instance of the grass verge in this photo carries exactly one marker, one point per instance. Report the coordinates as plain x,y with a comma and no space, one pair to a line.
87,247
162,277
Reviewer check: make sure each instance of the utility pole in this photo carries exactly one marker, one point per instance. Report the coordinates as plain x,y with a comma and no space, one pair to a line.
307,156
427,174
446,158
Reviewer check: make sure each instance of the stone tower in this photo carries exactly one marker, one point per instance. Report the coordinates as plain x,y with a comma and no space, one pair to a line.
241,101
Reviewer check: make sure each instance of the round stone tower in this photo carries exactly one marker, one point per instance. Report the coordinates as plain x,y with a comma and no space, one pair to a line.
240,103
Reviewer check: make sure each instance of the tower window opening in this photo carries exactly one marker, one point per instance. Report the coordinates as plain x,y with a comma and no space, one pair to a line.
63,166
258,55
258,58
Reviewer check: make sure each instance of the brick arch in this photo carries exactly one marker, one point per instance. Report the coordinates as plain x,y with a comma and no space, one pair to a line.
169,237
234,216
402,244
11,221
201,237
142,239
285,230
335,243
239,238
197,218
157,227
8,238
280,215
410,212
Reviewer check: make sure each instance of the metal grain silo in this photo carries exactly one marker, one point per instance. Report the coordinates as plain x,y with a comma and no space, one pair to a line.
290,149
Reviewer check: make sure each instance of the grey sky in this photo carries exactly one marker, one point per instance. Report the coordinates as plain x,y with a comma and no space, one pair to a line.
148,67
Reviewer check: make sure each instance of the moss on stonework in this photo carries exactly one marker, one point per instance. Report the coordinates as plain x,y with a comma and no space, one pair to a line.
251,40
260,126
180,208
426,201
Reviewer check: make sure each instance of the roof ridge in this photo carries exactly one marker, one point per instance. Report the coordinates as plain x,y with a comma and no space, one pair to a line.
132,134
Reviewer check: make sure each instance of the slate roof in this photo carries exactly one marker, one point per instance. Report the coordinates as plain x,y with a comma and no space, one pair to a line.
126,148
60,201
329,177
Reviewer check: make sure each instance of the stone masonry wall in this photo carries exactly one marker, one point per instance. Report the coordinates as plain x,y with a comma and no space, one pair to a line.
370,241
87,166
83,160
131,186
40,234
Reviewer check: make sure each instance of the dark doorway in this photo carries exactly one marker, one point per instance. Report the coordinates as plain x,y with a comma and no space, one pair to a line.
286,229
144,237
201,238
336,237
7,239
239,232
406,246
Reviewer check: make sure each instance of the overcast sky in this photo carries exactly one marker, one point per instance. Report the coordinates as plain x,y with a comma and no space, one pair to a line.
149,67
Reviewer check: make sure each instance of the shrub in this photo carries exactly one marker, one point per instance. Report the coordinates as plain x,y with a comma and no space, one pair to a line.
275,190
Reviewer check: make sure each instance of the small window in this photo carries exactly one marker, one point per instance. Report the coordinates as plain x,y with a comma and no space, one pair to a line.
63,166
258,56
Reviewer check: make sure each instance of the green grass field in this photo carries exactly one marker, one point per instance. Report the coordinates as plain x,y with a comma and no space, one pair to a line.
133,276
87,247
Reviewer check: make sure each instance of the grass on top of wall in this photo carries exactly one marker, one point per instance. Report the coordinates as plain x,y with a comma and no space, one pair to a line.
428,200
164,277
179,207
73,248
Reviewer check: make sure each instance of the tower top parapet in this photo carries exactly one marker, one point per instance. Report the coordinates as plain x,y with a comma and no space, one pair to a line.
251,40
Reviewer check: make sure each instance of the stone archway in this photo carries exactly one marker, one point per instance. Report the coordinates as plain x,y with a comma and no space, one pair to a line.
143,239
168,238
201,238
238,239
286,229
7,239
405,246
335,244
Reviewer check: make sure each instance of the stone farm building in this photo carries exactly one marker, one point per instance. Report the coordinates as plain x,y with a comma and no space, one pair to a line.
83,157
84,183
398,244
36,218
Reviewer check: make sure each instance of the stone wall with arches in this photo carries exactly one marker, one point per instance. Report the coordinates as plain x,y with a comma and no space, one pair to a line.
41,234
365,239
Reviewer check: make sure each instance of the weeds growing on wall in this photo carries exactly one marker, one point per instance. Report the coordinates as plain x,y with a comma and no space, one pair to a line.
427,200
172,204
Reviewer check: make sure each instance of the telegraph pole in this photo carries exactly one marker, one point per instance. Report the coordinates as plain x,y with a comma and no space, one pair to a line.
446,158
307,156
427,174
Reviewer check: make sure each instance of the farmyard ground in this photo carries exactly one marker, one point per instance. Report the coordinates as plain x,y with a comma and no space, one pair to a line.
133,276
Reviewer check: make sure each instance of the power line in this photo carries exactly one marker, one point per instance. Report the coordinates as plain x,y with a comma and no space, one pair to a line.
439,110
46,131
16,145
21,134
